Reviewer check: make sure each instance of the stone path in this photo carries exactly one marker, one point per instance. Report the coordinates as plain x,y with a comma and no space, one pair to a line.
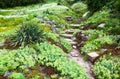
74,53
77,57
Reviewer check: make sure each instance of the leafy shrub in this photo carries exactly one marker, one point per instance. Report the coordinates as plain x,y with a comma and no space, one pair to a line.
108,67
47,54
57,39
53,36
12,3
66,44
97,18
93,34
27,34
52,55
17,59
80,8
15,75
116,39
95,5
96,43
117,5
112,26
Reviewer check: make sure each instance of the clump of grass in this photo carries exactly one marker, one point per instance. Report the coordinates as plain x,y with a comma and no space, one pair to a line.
28,33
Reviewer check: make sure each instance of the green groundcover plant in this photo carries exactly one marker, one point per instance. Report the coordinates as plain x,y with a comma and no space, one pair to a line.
107,67
44,54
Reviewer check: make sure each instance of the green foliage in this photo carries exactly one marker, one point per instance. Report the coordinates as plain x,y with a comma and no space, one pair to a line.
108,67
28,33
96,43
47,54
12,3
66,44
93,34
117,5
10,22
95,5
15,75
53,36
62,41
116,39
80,8
52,55
113,26
17,59
97,18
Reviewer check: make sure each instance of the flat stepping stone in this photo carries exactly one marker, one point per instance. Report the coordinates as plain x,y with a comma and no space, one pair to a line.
75,25
92,56
73,43
67,35
74,46
70,31
69,40
75,53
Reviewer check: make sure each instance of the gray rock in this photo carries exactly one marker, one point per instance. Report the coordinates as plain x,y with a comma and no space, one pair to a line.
53,22
75,25
67,35
7,73
49,22
103,50
100,36
101,25
69,40
74,46
86,14
73,43
92,56
2,43
70,31
39,16
69,18
42,20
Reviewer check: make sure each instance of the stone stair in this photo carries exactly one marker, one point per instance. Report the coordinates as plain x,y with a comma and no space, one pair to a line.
68,34
74,53
92,56
69,31
75,26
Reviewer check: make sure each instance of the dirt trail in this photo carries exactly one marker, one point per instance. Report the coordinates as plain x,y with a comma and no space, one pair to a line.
77,57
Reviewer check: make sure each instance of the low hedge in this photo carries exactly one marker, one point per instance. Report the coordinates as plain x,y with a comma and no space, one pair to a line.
13,3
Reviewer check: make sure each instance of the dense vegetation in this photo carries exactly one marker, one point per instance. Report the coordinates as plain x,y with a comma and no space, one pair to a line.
31,41
13,3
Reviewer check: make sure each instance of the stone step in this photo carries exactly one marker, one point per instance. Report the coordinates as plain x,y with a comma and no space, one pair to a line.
74,53
69,18
2,43
73,43
92,56
67,35
75,25
69,40
70,31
